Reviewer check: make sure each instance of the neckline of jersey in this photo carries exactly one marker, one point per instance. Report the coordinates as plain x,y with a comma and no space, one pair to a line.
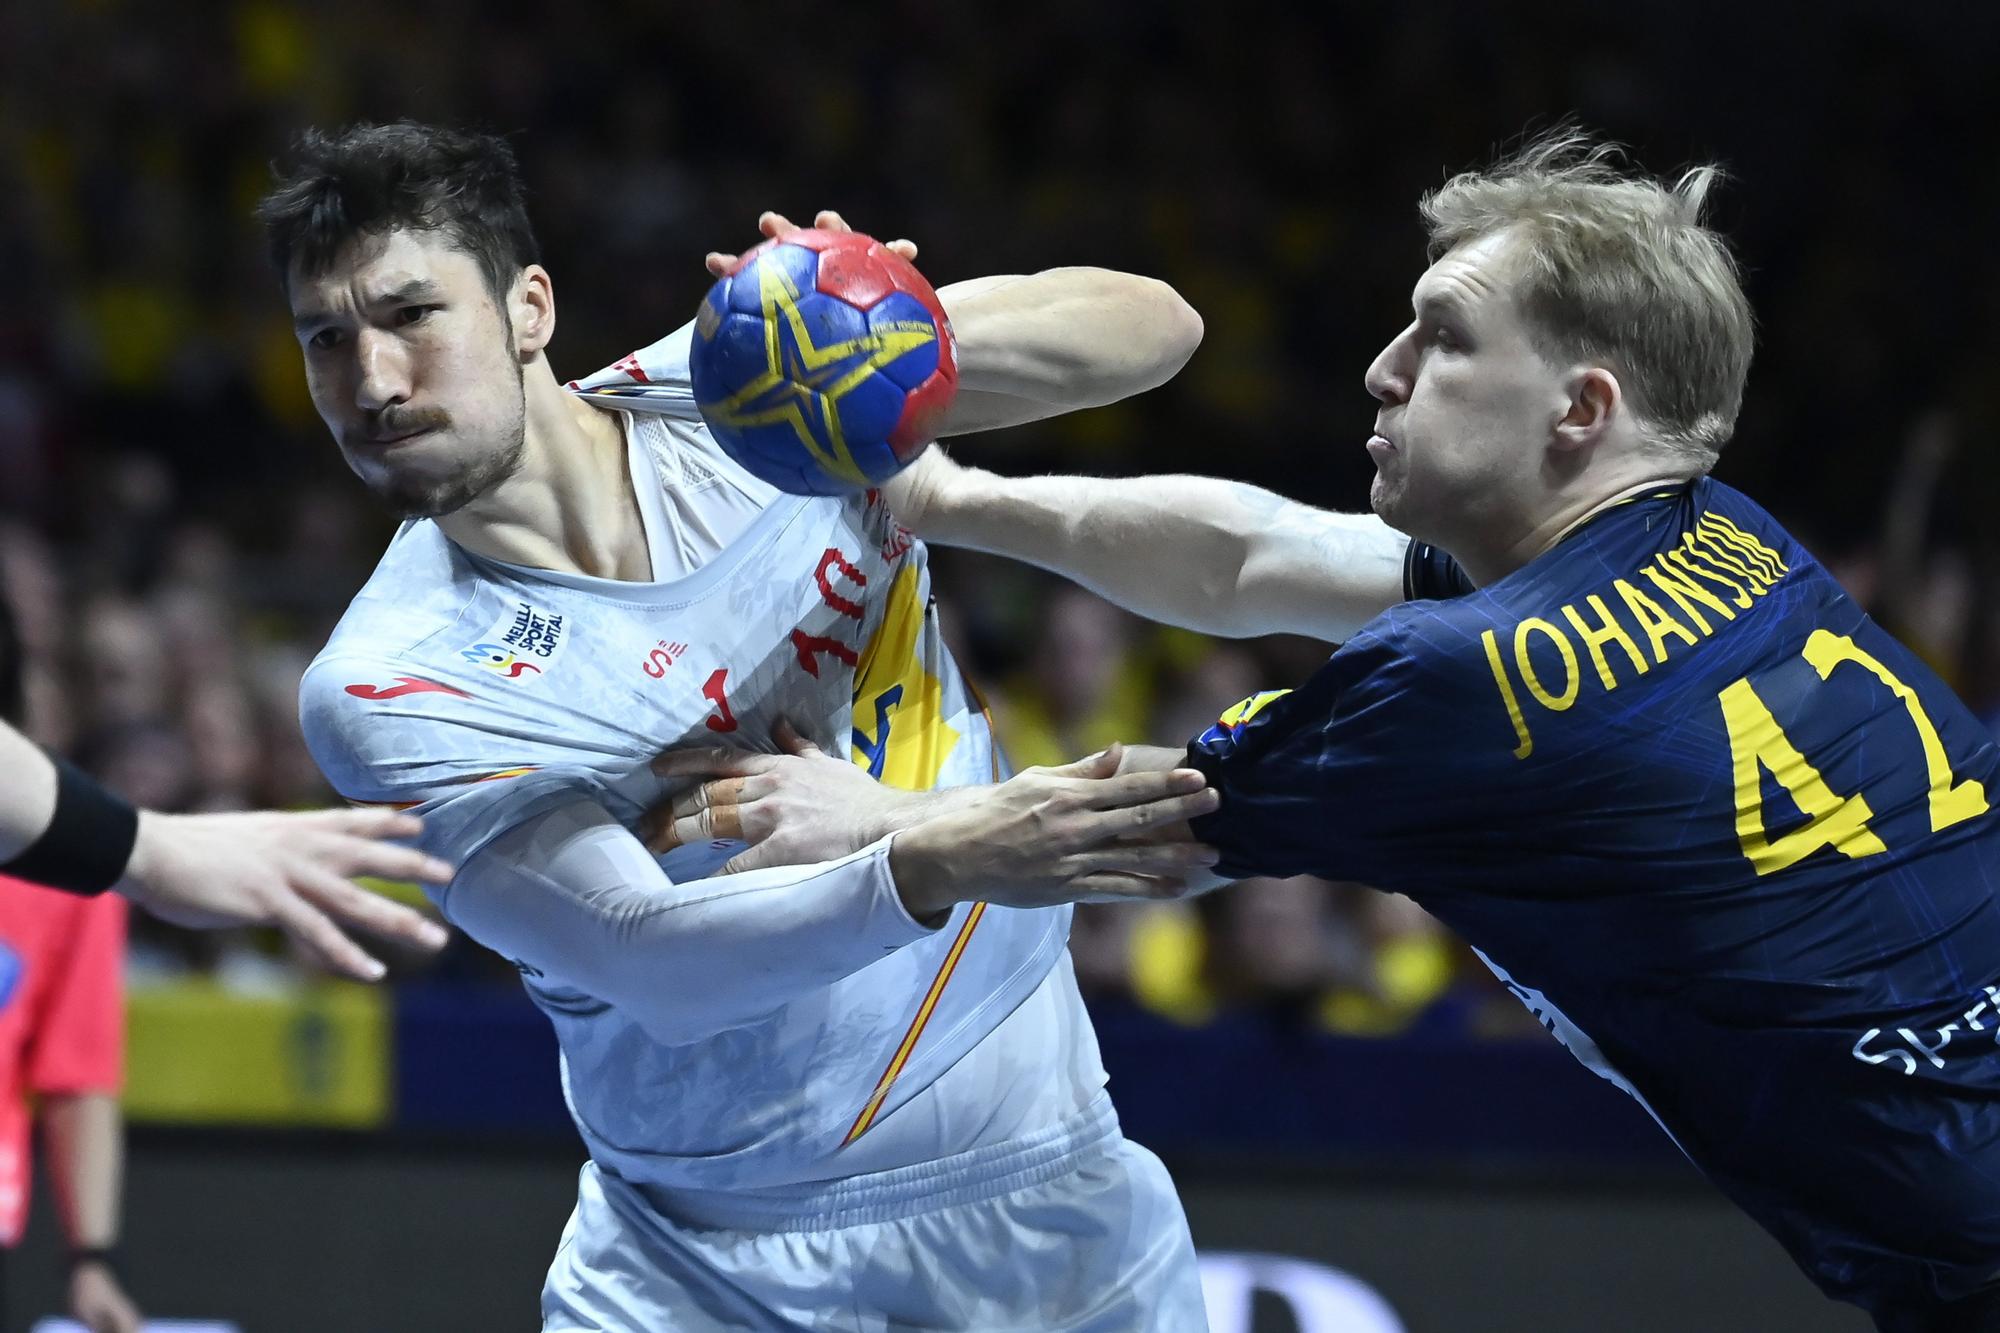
639,462
1673,493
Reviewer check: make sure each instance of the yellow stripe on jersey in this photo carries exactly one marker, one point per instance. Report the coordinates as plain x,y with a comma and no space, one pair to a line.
909,1042
900,734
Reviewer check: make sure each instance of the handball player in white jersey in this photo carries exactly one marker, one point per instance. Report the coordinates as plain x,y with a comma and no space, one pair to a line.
811,1099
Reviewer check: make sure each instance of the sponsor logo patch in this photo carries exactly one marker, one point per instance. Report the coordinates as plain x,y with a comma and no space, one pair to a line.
522,645
405,685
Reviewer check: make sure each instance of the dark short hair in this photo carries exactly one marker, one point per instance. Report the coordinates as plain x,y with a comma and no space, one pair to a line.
368,180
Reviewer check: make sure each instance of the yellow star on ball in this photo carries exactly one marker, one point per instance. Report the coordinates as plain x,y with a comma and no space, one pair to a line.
803,382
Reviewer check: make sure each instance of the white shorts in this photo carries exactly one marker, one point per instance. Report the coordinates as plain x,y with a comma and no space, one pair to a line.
1073,1228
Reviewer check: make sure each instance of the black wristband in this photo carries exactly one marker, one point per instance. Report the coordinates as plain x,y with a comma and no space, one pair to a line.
97,1254
88,841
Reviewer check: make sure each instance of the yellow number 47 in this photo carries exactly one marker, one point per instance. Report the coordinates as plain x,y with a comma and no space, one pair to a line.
1756,741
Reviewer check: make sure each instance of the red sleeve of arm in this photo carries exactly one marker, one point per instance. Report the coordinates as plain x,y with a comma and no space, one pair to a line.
79,1045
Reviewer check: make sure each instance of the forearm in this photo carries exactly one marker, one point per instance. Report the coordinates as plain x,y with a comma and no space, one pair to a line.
1220,557
85,1138
28,796
1061,340
578,899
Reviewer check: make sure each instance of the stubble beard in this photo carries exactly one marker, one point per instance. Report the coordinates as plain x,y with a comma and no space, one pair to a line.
1385,497
422,498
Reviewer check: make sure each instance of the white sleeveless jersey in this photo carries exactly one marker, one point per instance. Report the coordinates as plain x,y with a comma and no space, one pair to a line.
490,695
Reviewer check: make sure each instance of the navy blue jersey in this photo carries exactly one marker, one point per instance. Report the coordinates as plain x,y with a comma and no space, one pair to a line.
1731,842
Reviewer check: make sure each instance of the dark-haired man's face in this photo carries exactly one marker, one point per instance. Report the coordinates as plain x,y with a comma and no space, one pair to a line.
414,369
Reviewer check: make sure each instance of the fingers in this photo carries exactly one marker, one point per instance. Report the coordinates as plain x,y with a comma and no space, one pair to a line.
711,761
789,740
828,220
1163,833
723,791
348,842
322,940
345,855
1113,887
1167,860
712,823
656,829
368,823
356,906
1137,818
776,226
756,858
663,830
1135,788
1100,765
672,823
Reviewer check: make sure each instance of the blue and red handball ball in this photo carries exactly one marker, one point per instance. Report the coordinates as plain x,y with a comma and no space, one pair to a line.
823,362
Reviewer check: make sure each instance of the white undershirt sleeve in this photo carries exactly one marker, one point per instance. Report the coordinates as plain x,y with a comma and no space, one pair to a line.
572,894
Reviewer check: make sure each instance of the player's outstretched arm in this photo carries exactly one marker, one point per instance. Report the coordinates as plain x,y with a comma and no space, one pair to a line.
1114,823
577,901
28,799
1095,834
1037,345
1220,557
287,870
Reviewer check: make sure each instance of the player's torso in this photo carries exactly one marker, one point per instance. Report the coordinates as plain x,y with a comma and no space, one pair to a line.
1711,742
1764,870
819,613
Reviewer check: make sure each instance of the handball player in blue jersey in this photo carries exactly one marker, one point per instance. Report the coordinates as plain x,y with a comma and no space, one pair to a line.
1731,842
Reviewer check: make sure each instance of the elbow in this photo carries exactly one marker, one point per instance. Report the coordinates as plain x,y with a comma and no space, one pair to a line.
1173,331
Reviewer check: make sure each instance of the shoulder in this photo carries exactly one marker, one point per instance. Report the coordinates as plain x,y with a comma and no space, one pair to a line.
1432,646
391,681
1410,669
424,591
371,722
653,378
1417,682
693,469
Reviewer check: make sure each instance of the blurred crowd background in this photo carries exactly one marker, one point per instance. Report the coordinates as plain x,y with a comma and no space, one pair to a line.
177,534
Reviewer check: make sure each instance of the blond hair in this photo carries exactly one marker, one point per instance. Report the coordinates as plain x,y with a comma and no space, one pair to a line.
1617,269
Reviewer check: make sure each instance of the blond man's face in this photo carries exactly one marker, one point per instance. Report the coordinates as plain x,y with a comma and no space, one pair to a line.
1468,405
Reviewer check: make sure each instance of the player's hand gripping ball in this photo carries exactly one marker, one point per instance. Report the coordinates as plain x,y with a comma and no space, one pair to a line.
823,362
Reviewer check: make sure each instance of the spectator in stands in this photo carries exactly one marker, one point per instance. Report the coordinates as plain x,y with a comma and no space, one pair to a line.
1081,690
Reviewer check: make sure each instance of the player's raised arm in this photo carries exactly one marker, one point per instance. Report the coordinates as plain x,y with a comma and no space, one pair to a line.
1038,345
1216,556
805,805
1041,344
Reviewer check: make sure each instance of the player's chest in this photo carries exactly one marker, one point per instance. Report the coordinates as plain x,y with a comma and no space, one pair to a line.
781,634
